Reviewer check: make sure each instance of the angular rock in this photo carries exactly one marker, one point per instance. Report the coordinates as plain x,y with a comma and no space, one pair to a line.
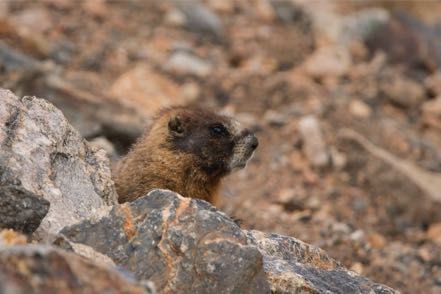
42,156
42,269
292,266
182,245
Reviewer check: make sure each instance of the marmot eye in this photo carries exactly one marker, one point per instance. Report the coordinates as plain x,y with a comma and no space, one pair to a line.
219,130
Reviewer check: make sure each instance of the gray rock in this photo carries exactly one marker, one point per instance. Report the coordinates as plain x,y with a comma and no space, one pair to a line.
20,209
292,266
182,62
43,269
199,18
182,245
42,154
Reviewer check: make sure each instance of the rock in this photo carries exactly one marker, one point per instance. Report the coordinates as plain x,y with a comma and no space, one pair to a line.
10,237
401,90
20,209
362,24
43,269
313,143
434,233
175,17
432,112
359,109
146,90
43,157
96,8
106,145
274,118
182,62
199,18
84,250
190,247
328,61
433,83
27,19
289,12
292,266
406,40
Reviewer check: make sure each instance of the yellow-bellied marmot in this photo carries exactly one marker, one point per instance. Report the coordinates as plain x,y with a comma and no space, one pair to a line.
187,150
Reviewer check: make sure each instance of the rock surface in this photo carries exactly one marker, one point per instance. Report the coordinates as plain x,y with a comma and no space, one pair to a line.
43,269
43,157
293,266
189,246
192,247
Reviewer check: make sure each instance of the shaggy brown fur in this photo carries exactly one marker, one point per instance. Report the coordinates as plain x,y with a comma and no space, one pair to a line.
187,150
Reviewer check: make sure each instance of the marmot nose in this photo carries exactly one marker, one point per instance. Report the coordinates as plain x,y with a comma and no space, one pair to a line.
254,142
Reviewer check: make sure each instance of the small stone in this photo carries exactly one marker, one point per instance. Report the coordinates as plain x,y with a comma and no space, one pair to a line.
338,158
434,233
360,109
182,62
360,25
104,144
329,61
376,240
357,236
199,18
190,91
226,6
95,7
433,83
357,267
313,143
27,19
10,237
274,118
402,91
175,18
432,107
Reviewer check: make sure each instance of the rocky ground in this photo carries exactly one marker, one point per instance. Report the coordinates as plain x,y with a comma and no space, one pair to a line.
345,98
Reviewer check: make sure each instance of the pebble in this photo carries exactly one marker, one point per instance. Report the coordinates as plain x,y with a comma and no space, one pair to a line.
313,143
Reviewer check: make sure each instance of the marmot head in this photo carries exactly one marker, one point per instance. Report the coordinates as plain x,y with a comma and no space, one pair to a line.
216,143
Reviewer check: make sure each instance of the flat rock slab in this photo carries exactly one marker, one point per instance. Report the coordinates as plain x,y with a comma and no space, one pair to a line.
180,244
42,154
293,266
43,269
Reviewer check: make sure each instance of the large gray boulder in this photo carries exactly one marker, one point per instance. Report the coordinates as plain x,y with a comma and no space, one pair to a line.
43,159
180,244
186,245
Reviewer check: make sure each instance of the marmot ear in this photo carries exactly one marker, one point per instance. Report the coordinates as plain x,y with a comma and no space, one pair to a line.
175,126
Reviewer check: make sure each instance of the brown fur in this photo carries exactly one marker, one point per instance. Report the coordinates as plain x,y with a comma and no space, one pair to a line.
187,150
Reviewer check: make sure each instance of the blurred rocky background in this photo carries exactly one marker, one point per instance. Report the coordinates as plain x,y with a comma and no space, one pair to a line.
345,97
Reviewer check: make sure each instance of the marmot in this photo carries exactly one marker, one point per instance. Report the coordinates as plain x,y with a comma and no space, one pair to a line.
187,150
